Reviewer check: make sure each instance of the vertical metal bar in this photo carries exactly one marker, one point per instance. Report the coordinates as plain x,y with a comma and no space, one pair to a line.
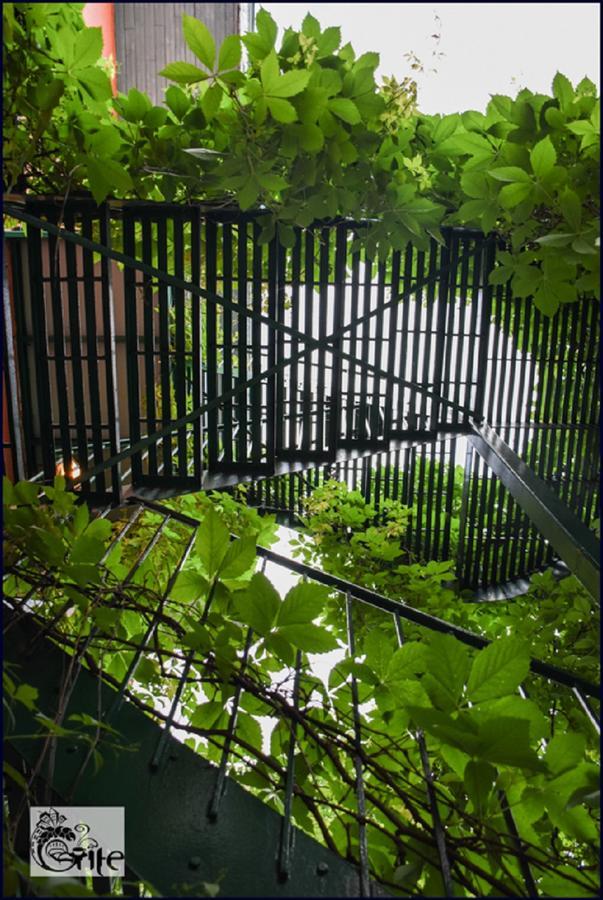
180,361
11,372
377,343
294,344
427,547
59,350
164,343
14,291
460,374
451,300
92,353
275,279
195,350
242,399
438,828
452,446
282,411
159,749
152,628
256,406
286,836
148,343
75,341
227,346
307,414
130,300
113,417
418,344
323,304
484,327
474,335
352,412
338,315
211,313
433,262
364,432
392,342
462,555
365,885
437,409
403,392
219,787
519,848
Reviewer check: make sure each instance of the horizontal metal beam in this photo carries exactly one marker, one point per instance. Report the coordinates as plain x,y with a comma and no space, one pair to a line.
399,607
575,543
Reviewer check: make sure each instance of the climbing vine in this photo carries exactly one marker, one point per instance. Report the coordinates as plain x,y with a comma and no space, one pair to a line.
306,133
485,740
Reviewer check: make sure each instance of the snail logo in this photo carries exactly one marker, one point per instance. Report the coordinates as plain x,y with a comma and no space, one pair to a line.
76,841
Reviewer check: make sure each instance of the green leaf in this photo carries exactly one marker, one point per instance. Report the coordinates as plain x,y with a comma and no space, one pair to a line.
311,137
189,587
406,662
310,26
211,101
15,776
212,541
199,39
230,53
87,49
498,669
510,173
266,26
27,695
462,144
447,667
308,637
86,549
506,741
543,157
282,649
208,715
328,41
177,101
475,184
249,193
580,127
302,604
565,751
571,207
239,558
513,194
272,182
479,778
258,604
345,109
183,73
95,82
281,110
137,105
563,90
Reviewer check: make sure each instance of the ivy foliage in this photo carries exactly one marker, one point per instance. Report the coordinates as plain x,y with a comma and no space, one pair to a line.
305,133
487,743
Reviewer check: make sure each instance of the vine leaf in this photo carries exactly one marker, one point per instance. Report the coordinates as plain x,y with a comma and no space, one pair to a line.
498,669
258,604
212,542
200,40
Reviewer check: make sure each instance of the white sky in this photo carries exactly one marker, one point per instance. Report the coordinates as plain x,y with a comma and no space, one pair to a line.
489,48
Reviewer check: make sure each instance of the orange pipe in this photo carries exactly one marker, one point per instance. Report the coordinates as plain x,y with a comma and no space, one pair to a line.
103,15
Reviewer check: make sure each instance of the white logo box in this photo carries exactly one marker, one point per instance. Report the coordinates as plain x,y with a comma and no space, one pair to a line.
68,841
